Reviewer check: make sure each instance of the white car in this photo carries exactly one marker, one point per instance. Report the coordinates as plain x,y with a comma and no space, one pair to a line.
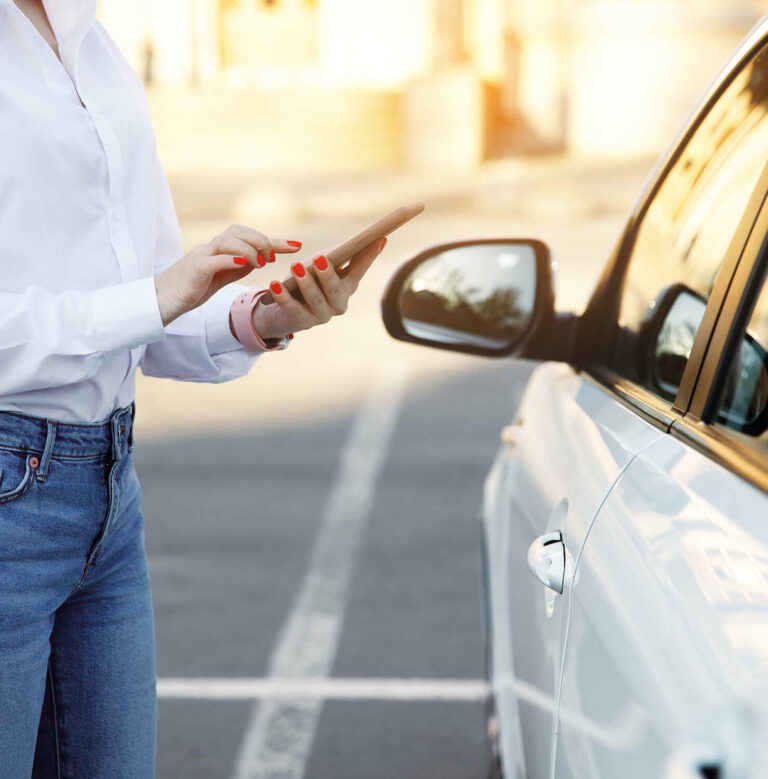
625,521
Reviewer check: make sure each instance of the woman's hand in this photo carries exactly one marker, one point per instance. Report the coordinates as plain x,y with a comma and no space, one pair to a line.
325,298
228,257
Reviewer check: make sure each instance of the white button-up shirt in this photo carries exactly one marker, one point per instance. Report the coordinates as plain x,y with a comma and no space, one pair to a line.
86,222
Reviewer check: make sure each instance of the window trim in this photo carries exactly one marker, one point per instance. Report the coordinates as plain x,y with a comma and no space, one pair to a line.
701,369
739,458
735,312
651,408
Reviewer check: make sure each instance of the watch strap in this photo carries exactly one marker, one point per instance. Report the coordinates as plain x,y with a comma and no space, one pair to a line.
241,313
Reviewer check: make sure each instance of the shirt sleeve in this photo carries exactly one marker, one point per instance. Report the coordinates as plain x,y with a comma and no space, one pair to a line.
199,345
51,340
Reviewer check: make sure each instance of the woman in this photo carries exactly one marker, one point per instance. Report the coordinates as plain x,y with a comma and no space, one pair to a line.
93,286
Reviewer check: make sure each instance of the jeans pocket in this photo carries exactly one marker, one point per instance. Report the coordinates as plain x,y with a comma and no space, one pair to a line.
17,471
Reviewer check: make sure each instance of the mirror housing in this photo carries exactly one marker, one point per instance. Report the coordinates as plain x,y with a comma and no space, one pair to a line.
488,297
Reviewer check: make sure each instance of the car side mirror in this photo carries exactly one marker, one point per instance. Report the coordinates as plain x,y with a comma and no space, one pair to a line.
481,297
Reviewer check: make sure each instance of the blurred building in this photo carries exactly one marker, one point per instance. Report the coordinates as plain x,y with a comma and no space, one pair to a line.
434,83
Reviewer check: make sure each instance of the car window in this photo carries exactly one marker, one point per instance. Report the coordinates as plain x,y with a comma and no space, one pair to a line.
685,233
744,406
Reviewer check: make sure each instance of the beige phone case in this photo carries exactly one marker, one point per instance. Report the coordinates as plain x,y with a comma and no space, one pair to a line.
339,256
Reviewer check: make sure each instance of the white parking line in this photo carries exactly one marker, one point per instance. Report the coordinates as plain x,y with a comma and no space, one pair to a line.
280,732
265,688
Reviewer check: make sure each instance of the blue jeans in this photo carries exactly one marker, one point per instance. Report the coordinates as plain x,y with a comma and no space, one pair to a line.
77,653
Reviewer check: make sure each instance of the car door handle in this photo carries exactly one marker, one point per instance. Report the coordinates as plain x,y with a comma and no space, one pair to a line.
546,559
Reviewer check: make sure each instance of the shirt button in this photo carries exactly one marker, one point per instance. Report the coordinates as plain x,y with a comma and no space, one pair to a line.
115,215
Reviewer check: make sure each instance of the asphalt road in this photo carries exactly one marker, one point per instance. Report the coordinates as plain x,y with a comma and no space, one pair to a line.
225,573
315,519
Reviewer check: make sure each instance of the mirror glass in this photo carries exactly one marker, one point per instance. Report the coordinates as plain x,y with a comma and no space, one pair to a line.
481,295
674,342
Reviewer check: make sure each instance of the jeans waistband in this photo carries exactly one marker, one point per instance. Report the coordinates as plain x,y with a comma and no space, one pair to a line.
51,438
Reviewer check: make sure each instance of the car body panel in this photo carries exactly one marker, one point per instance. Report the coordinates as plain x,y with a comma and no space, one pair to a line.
670,613
574,440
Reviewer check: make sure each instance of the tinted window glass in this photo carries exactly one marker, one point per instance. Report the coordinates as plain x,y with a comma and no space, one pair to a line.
744,407
686,231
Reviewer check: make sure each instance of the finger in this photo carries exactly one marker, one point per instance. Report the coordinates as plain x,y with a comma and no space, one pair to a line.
330,282
363,260
226,244
257,239
296,316
314,297
281,246
209,266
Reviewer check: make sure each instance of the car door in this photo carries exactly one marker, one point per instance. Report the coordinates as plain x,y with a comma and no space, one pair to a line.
554,468
668,606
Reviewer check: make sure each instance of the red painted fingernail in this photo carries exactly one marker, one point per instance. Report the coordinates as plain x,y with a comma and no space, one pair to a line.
276,287
295,244
299,270
241,261
290,336
321,263
260,260
272,256
382,244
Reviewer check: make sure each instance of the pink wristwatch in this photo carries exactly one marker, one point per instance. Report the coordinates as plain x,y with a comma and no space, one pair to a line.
241,314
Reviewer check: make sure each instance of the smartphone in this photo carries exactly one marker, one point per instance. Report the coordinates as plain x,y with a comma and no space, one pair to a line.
340,256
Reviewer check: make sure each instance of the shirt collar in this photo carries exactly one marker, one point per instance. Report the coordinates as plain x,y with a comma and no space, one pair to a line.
70,18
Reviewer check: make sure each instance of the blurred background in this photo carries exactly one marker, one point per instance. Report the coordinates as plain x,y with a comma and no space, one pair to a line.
524,117
305,119
427,84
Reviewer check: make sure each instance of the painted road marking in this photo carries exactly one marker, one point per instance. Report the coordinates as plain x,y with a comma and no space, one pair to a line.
280,732
265,688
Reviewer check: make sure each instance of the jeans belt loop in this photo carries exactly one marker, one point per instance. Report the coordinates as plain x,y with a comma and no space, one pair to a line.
50,439
115,423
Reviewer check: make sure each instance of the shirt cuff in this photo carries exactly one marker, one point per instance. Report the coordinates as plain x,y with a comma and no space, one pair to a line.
127,315
218,336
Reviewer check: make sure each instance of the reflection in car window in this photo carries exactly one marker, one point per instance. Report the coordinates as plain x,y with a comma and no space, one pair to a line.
688,226
672,343
744,406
